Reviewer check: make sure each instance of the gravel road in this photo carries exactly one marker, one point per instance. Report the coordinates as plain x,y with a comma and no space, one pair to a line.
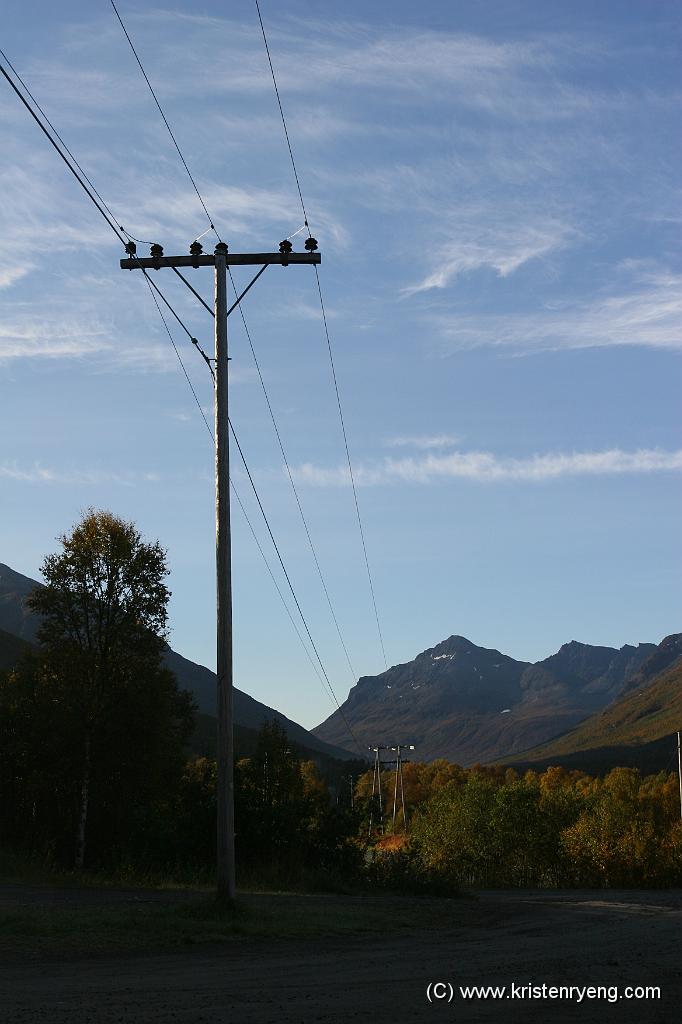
575,938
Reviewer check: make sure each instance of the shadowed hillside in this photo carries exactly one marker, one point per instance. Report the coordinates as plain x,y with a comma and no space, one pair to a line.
18,627
635,730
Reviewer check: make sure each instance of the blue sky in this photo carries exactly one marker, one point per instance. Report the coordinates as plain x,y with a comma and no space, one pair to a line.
496,193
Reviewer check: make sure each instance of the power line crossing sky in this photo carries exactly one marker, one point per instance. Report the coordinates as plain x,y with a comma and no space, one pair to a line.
495,189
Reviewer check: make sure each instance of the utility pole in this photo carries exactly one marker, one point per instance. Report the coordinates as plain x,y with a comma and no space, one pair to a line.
350,782
399,780
225,852
221,260
398,773
376,789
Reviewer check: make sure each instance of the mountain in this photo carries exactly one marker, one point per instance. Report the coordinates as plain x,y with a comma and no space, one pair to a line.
470,704
248,712
594,674
11,649
15,617
18,627
636,729
662,657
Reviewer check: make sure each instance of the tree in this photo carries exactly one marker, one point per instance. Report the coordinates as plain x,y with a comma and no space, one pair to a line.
97,690
287,826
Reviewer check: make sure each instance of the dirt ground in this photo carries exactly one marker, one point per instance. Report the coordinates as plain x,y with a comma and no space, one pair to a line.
570,938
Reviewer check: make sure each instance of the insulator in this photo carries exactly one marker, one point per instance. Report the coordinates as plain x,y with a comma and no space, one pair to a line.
221,247
156,250
311,244
131,248
196,248
285,247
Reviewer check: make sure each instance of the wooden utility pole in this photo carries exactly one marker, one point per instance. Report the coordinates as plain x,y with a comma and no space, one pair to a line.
398,774
221,260
399,781
376,790
225,853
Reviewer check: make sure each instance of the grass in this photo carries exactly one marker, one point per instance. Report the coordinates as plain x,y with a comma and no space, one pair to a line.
55,912
28,870
179,921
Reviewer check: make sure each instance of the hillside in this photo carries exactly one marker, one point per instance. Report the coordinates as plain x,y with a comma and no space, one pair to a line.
203,743
18,626
249,713
636,729
470,704
15,618
11,650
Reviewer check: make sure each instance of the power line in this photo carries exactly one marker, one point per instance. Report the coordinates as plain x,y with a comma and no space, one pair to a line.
101,208
279,439
250,525
175,348
274,580
110,219
152,288
293,592
329,344
61,140
241,505
165,120
280,442
294,489
73,170
267,523
317,564
350,469
152,284
277,434
72,164
281,111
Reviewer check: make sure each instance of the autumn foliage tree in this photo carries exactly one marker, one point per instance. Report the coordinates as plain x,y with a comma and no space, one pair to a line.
557,828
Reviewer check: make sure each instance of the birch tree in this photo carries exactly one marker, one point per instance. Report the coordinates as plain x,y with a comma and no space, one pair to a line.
103,632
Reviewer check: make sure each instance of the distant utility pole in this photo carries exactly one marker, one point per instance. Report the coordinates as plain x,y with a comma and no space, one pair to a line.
377,795
221,260
399,762
376,789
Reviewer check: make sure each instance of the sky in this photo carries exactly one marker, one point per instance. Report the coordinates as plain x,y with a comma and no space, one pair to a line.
495,188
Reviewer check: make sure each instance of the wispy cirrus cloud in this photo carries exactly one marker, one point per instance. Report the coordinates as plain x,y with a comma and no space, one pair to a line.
39,474
423,441
502,242
649,313
266,215
29,338
486,467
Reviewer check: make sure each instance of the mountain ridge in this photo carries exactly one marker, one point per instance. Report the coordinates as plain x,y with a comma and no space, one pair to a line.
636,728
473,704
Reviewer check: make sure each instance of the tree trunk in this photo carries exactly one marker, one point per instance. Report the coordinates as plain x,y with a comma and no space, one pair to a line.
83,816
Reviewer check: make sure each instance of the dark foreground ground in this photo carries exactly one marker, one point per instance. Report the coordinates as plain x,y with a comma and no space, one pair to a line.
376,975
